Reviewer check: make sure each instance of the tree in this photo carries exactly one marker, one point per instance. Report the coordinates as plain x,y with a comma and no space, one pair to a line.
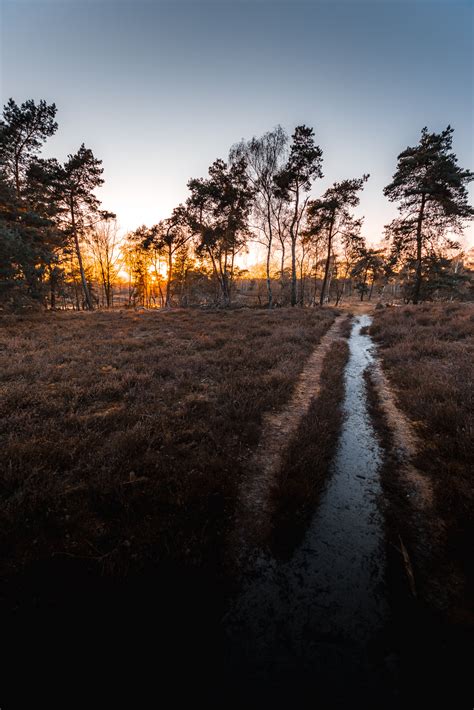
293,181
40,198
264,158
351,248
217,211
168,238
28,236
71,188
443,279
140,263
184,269
330,217
23,131
369,265
27,243
102,240
433,202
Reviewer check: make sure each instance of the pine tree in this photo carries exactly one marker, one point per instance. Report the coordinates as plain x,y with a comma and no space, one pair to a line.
23,131
217,212
27,242
70,188
431,191
330,217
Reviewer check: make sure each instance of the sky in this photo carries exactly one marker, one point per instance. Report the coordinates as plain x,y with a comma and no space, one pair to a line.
159,90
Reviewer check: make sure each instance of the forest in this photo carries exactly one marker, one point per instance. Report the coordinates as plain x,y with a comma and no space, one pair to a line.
60,249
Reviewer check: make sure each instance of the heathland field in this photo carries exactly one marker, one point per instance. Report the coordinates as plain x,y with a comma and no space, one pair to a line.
148,455
124,434
428,355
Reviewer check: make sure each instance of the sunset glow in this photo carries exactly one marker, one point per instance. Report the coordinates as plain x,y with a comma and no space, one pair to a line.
192,107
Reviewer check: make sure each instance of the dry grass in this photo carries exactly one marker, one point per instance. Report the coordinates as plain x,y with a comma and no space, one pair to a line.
124,435
427,353
428,640
306,463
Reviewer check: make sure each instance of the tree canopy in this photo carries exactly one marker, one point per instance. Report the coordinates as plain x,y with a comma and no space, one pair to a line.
431,191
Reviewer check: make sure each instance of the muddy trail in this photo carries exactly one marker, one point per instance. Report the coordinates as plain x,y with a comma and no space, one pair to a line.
317,623
278,428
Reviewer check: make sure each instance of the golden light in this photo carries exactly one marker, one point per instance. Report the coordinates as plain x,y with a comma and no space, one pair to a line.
160,270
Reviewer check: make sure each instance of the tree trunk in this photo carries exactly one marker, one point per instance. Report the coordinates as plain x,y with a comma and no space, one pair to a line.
294,237
231,280
371,288
419,244
107,294
85,287
340,293
17,176
364,286
293,271
328,261
269,249
168,280
269,282
282,269
301,296
52,286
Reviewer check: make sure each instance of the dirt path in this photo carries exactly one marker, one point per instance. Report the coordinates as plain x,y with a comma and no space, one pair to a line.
320,623
418,531
316,616
278,428
357,308
404,437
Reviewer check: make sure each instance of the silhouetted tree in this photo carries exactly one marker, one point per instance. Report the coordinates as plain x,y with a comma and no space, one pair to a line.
169,237
294,180
330,217
370,265
71,188
102,241
23,131
21,245
141,262
433,202
217,211
351,246
264,158
27,233
443,279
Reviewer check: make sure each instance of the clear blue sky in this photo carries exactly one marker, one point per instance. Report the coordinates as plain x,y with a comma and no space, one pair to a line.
160,89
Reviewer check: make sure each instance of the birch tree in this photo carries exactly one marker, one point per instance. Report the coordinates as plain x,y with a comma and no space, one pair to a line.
265,158
293,182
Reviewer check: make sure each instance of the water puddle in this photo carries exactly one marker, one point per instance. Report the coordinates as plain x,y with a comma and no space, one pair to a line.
320,617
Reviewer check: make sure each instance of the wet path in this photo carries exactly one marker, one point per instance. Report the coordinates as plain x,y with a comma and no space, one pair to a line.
319,618
278,429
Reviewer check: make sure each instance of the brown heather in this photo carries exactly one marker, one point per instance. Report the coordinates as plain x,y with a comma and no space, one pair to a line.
306,464
428,352
124,434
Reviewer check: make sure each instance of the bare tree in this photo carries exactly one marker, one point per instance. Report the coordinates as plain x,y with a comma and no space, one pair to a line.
265,158
294,181
102,241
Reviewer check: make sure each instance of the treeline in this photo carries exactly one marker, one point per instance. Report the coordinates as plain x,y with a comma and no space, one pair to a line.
59,248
